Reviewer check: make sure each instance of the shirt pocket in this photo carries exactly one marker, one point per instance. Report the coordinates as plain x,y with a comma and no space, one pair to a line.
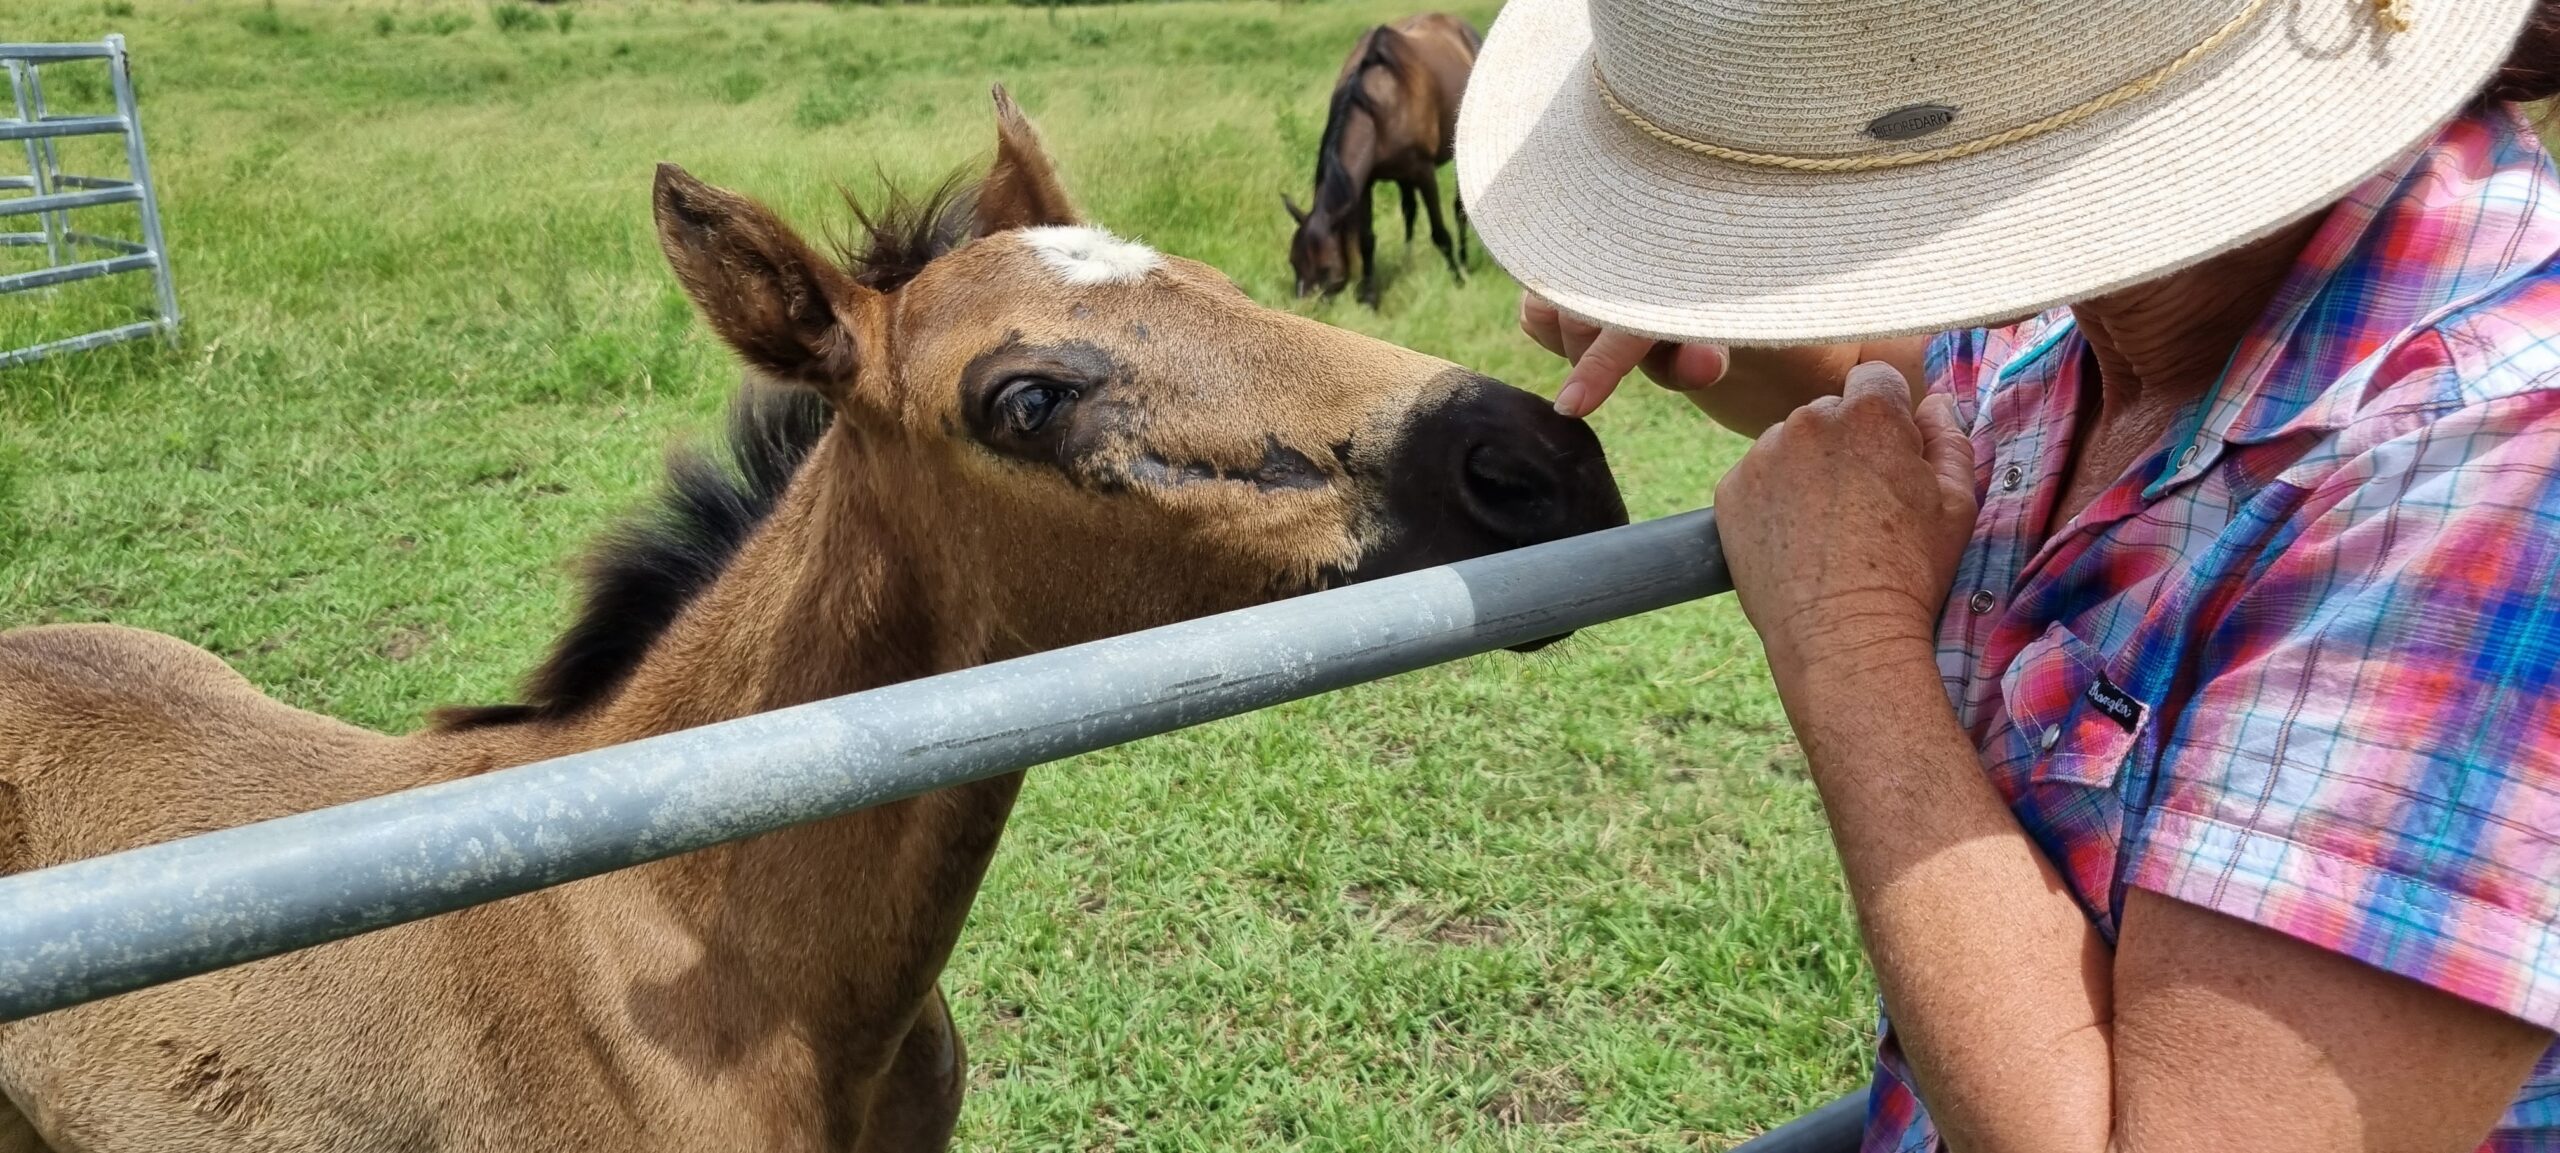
2070,723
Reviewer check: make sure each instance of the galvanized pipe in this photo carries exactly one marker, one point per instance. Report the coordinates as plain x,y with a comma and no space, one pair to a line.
163,282
94,928
56,51
1833,1128
98,339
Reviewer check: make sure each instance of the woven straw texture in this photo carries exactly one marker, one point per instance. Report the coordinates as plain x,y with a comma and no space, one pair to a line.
2302,102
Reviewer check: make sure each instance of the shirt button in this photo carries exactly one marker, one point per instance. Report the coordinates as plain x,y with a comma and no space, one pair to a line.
2011,479
1982,602
2051,737
2187,457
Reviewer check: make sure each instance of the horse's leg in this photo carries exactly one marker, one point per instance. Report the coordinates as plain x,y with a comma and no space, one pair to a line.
1458,200
1440,230
1364,219
918,1100
17,1134
1407,191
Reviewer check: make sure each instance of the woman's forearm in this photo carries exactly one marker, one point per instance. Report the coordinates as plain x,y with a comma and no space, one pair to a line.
1997,984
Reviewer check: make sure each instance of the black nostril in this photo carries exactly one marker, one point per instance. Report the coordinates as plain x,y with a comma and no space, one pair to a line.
1511,491
1500,473
1488,467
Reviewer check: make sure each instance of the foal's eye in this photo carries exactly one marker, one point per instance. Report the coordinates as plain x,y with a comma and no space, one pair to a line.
1027,404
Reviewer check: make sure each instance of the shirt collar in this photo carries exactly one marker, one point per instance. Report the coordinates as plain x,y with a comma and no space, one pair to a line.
2473,210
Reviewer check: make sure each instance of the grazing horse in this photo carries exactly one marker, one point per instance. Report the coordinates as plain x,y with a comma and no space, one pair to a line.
1393,117
994,430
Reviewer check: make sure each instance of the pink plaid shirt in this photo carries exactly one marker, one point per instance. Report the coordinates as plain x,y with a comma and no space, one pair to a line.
2301,664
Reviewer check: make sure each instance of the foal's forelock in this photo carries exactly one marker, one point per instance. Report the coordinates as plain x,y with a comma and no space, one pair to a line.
901,234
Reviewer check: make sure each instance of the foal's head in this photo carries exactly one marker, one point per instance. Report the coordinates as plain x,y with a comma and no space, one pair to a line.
1073,435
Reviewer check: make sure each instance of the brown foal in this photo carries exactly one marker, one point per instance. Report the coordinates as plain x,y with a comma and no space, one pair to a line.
993,431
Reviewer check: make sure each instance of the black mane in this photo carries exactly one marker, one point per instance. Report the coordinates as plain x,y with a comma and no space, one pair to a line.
642,574
1334,187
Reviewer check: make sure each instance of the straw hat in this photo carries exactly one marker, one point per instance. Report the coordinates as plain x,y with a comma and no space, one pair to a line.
1803,171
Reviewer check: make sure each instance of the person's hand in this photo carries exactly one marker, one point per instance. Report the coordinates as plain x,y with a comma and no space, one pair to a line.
1844,523
1601,357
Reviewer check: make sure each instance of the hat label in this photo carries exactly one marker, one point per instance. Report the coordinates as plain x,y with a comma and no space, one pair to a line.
1911,123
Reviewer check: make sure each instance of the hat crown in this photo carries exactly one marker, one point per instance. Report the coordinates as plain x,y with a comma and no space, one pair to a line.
1824,78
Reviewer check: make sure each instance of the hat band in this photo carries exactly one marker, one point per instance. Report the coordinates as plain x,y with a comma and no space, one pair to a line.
2387,12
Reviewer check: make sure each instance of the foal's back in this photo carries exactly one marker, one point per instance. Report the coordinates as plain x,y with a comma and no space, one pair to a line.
111,738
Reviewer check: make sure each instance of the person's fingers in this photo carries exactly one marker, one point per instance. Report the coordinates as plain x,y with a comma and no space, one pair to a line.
1944,442
1577,334
1596,373
1879,380
1690,367
1542,323
1574,339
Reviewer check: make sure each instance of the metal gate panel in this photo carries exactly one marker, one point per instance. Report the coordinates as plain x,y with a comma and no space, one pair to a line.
54,194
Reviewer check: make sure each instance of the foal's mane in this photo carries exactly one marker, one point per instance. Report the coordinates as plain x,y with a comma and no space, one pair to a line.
1333,181
643,573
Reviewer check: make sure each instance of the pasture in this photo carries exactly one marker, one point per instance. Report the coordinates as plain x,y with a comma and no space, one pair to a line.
1579,900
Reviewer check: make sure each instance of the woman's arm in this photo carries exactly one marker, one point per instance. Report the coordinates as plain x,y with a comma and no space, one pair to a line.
1843,526
1743,389
2220,1034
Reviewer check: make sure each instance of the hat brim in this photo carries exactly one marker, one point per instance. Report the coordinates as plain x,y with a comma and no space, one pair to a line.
1615,226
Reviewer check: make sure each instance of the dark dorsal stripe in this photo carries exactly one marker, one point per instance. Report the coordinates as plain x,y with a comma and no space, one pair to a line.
643,574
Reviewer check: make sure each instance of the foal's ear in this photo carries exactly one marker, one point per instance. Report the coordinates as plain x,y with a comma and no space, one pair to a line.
1022,190
786,309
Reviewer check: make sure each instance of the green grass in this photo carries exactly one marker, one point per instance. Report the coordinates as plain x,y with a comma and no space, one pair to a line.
1575,901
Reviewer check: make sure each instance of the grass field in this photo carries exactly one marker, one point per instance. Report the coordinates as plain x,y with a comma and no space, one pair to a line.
1575,901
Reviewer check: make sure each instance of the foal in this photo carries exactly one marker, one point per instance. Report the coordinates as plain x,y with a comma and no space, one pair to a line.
1393,117
1003,431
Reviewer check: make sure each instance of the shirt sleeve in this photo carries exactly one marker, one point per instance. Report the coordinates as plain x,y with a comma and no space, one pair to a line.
2370,759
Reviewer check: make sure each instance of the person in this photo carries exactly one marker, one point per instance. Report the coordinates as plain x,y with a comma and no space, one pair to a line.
2153,524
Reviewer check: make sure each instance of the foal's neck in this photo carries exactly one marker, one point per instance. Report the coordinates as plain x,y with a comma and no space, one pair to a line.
822,600
847,919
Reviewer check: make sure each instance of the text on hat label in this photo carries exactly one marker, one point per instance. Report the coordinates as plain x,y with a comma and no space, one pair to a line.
1911,123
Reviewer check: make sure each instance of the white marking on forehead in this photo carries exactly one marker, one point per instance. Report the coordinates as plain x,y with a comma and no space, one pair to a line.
1084,256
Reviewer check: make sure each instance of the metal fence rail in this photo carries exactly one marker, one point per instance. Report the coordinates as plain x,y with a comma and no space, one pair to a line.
55,194
93,928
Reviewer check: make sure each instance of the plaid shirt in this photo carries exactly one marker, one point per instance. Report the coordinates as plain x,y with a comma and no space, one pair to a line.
2301,664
